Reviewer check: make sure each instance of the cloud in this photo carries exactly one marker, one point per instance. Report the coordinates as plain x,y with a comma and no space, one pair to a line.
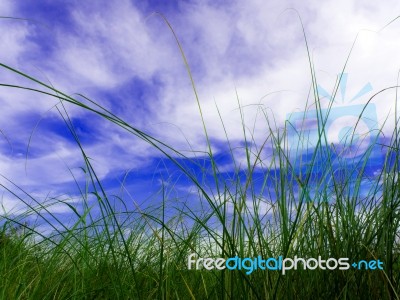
250,54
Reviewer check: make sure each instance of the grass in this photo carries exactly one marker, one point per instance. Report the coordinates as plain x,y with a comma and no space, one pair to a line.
266,207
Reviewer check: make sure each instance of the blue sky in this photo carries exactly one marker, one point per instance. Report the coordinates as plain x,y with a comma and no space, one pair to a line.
125,57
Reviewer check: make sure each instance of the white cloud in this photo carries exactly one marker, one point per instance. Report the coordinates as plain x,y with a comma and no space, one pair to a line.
253,46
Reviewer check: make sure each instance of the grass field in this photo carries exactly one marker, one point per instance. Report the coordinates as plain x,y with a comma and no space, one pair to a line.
143,253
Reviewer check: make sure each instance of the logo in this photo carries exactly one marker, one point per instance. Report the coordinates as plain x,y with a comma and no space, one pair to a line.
344,133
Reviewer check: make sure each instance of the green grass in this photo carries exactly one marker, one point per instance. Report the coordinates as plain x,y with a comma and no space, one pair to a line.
142,254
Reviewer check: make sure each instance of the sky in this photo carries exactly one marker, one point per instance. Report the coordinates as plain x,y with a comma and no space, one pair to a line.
122,54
